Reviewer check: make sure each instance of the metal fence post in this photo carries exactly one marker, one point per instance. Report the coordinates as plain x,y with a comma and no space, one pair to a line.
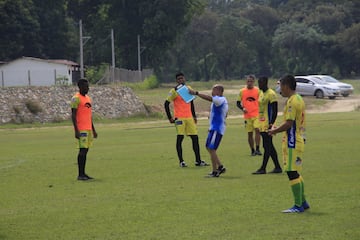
2,78
29,78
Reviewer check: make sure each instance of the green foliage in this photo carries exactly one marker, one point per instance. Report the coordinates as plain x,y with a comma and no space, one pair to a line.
96,73
206,39
150,82
37,29
139,192
33,106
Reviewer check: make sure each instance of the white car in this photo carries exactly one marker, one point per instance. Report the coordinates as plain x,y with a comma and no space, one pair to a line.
311,86
345,88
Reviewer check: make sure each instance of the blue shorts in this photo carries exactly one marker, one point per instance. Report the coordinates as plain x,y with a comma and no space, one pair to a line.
213,140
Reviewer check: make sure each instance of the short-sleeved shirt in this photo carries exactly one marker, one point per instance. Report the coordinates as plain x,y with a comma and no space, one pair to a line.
181,108
295,110
218,113
265,108
84,111
250,100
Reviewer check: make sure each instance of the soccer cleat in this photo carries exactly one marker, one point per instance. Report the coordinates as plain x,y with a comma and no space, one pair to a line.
259,171
294,209
253,153
305,205
276,170
183,164
201,163
221,170
89,178
213,174
82,178
257,152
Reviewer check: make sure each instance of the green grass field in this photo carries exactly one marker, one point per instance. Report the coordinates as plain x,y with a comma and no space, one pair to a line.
141,193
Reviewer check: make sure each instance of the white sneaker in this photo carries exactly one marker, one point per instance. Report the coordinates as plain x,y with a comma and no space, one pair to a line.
183,164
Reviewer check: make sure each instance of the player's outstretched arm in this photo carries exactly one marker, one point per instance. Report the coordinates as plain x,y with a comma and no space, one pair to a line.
203,96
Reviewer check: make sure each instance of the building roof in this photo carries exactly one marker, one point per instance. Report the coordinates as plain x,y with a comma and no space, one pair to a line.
57,61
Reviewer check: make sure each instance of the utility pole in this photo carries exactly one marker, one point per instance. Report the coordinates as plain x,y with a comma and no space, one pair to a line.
81,49
139,57
112,56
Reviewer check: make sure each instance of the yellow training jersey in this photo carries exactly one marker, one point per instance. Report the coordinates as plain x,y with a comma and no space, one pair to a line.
265,111
295,110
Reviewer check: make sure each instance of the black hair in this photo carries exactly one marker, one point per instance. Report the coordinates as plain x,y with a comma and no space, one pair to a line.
289,80
263,79
82,81
179,74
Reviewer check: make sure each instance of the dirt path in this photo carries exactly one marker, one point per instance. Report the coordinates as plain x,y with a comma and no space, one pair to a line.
342,104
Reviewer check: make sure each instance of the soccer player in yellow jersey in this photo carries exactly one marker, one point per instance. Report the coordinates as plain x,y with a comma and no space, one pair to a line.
293,141
248,102
81,115
184,120
268,109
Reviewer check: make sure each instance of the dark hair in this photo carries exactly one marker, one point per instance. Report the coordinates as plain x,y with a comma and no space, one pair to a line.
252,76
289,80
263,79
82,81
179,74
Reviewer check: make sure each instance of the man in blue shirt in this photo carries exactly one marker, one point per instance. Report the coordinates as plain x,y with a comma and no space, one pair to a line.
218,113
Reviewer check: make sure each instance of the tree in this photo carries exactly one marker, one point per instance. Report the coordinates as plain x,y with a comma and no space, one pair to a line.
329,18
299,48
158,23
348,42
19,29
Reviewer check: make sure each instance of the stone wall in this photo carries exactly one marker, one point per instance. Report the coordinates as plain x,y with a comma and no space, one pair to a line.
52,104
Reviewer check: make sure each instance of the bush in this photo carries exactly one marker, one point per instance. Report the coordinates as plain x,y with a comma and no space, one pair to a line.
95,73
33,106
150,82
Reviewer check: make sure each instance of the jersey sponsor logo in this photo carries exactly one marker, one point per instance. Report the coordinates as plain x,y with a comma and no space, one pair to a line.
298,161
291,137
88,105
178,122
290,109
83,134
250,99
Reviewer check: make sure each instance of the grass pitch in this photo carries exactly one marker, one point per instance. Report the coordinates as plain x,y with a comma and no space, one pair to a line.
141,193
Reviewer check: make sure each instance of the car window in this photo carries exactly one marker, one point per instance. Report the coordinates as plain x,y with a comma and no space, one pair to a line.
330,79
301,80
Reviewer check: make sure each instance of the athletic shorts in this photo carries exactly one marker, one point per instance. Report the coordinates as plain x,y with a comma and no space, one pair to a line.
292,159
86,139
185,126
263,124
213,140
251,124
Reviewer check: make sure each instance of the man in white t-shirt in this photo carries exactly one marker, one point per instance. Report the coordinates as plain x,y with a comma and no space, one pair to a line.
218,113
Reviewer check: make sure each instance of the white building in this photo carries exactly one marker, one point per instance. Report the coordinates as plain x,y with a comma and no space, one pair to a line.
29,71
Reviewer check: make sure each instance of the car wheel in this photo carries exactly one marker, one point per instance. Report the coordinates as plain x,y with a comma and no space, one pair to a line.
345,94
332,97
319,94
